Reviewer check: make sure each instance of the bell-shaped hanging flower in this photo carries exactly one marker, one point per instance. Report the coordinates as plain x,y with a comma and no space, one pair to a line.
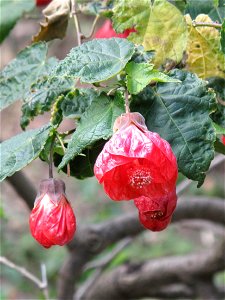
155,213
52,221
136,162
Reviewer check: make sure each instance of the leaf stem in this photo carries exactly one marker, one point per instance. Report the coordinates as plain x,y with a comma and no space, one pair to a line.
203,24
92,28
64,150
127,108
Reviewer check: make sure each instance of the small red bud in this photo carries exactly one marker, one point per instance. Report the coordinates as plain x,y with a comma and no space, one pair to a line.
52,221
136,162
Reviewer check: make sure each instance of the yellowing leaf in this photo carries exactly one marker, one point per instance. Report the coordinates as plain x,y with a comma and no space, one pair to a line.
56,21
203,49
159,26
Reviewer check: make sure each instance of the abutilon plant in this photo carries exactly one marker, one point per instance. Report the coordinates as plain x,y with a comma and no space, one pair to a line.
52,221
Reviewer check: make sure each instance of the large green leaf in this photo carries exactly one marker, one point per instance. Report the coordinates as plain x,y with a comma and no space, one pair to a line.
21,149
20,73
159,26
42,95
194,8
95,124
139,75
179,112
96,60
11,11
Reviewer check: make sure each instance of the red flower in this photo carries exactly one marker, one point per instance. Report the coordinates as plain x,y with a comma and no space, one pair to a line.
52,221
135,162
223,139
42,2
155,213
107,31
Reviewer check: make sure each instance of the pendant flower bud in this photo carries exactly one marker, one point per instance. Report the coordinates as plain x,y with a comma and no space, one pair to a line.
52,221
155,213
135,162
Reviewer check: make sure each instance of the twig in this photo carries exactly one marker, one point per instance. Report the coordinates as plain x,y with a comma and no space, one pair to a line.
64,150
203,24
76,22
101,265
24,272
185,183
92,28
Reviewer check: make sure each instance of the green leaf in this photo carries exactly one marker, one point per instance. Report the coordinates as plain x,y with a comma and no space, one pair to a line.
95,124
77,101
217,14
21,72
21,149
159,26
82,166
11,12
222,37
180,114
219,129
96,60
140,75
42,95
195,8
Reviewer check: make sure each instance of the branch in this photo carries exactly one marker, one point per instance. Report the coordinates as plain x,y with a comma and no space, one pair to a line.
187,182
137,281
93,239
101,265
24,187
205,24
43,285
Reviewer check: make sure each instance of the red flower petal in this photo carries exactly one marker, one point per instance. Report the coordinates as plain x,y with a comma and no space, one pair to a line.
158,207
154,224
136,162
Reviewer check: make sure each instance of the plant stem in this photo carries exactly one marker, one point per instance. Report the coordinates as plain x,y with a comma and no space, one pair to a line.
203,24
76,22
127,108
64,150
